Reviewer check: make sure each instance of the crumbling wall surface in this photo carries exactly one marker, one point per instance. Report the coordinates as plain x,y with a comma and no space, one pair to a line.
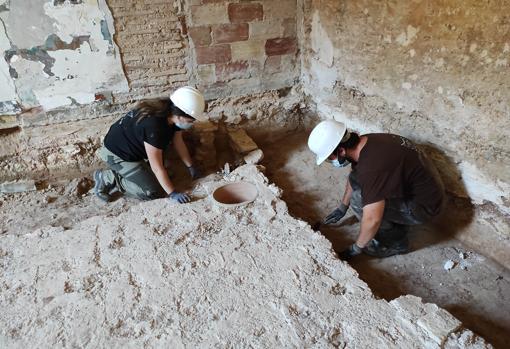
434,71
110,54
57,54
241,47
205,275
103,56
266,116
67,149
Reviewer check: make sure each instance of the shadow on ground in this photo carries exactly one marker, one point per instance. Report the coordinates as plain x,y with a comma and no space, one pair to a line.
476,290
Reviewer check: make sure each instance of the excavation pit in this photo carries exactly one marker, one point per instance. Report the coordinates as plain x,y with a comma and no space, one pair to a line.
235,194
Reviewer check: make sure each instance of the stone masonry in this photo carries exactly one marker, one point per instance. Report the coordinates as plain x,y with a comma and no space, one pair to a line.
243,46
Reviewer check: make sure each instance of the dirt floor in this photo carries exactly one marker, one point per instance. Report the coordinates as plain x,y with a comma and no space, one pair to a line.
476,290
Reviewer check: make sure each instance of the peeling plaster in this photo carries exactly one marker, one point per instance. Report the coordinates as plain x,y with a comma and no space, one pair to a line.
481,188
321,42
71,58
34,27
8,104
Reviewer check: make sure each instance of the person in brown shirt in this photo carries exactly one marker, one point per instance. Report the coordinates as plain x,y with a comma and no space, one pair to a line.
392,185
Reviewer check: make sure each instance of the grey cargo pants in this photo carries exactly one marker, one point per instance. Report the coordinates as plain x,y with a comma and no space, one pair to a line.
134,179
398,213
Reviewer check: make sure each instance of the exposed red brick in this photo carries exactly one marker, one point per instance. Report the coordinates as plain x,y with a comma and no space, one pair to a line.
213,54
232,70
289,27
239,13
230,32
280,46
184,26
273,64
201,36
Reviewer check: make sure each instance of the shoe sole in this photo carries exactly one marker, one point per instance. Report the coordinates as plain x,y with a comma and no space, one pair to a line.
388,254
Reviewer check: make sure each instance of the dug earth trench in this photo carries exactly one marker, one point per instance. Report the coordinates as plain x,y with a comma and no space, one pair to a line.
476,289
158,274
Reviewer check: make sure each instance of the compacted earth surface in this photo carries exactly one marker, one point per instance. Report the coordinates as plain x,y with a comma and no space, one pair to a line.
204,274
476,290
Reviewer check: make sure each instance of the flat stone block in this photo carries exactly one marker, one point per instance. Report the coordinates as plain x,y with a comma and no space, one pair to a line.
439,325
254,157
17,186
239,13
206,73
209,14
204,126
280,9
213,54
226,33
281,46
248,50
241,142
8,121
201,36
266,29
232,70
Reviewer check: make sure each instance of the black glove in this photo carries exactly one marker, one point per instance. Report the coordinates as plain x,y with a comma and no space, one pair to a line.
181,198
194,172
350,252
337,214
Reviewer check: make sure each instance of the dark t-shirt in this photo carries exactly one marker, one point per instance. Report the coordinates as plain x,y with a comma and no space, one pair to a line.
126,137
391,167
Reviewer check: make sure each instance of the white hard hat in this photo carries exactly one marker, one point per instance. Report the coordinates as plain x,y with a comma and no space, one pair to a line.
191,101
325,137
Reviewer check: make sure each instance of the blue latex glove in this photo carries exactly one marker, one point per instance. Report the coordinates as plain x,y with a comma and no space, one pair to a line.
181,198
195,172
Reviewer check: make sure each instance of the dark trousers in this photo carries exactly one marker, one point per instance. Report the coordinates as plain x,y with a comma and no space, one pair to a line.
398,213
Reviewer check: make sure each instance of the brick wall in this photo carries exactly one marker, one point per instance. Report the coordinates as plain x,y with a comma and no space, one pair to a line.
243,47
151,35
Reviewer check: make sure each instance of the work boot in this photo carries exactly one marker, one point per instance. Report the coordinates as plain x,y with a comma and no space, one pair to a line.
101,190
376,249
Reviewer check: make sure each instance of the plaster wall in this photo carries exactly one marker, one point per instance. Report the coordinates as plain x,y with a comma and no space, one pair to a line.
436,72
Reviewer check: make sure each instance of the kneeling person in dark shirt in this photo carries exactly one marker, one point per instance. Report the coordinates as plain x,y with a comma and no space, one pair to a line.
143,134
392,185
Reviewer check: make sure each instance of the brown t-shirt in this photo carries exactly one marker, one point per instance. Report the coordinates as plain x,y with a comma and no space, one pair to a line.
390,167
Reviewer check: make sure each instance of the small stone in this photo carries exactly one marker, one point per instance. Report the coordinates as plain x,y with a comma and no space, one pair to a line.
71,149
254,157
17,186
449,265
50,199
462,255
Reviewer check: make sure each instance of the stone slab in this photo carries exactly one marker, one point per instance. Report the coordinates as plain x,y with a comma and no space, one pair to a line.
240,141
